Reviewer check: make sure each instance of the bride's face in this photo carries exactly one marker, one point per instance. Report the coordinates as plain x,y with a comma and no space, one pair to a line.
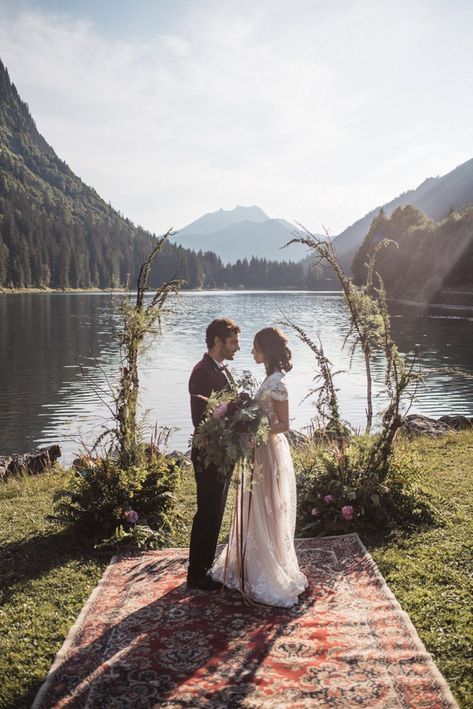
257,354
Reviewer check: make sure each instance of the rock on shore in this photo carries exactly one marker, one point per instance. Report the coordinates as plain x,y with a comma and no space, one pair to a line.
30,463
415,424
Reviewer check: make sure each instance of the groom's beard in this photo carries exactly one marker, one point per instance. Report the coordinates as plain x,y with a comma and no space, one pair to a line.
228,354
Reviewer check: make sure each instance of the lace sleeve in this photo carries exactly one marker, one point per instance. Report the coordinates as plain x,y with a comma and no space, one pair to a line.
278,390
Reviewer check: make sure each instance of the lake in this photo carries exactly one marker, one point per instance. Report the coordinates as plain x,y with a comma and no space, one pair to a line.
58,357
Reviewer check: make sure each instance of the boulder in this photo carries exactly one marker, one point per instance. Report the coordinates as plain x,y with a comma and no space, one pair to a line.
457,422
30,463
5,461
184,458
418,425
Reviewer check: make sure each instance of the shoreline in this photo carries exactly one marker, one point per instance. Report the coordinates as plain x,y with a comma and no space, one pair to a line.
114,291
423,304
49,291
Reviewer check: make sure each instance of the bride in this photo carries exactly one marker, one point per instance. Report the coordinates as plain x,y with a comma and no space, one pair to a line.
260,559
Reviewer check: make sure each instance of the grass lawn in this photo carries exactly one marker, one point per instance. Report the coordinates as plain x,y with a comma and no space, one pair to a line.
46,576
431,572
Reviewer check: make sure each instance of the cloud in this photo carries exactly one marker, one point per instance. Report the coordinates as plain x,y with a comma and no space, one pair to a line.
314,113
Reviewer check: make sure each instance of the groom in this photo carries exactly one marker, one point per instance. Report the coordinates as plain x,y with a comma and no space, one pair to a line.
208,375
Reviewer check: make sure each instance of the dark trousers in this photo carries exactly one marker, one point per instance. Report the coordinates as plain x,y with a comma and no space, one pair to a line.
212,491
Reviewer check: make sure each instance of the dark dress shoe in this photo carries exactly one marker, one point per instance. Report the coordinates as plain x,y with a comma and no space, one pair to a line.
205,583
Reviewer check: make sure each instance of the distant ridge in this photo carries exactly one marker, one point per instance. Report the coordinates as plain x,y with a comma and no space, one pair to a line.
436,196
215,221
241,233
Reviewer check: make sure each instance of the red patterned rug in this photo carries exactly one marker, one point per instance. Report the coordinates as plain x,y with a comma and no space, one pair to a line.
145,640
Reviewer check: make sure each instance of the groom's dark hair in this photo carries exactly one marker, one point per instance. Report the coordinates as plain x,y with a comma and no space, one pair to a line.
222,328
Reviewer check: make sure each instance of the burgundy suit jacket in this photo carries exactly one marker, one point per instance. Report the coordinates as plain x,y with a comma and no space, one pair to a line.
205,378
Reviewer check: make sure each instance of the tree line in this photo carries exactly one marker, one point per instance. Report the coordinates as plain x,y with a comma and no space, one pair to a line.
47,247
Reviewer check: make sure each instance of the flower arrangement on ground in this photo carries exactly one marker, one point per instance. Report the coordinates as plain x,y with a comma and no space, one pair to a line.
339,493
111,505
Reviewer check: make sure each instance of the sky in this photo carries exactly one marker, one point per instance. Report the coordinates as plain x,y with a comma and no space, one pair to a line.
317,111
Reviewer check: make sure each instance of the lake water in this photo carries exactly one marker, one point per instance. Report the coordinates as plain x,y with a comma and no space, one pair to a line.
58,356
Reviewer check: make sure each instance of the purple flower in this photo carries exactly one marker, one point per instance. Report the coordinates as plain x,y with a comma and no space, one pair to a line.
328,499
347,512
315,512
131,516
220,410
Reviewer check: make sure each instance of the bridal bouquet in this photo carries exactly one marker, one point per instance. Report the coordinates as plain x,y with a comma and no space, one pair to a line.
233,426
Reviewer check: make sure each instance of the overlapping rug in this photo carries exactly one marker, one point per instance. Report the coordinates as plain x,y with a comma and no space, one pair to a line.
145,640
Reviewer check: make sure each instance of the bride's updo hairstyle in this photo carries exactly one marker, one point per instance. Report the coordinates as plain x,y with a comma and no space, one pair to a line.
272,342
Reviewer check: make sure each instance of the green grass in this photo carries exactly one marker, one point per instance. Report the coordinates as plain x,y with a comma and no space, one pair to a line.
431,572
45,579
46,576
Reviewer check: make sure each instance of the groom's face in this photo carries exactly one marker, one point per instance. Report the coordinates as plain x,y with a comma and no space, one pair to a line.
229,346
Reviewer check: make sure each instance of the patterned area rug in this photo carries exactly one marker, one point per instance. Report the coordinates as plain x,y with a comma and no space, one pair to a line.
145,640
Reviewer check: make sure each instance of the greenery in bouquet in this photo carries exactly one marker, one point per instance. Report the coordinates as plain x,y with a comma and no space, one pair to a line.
233,426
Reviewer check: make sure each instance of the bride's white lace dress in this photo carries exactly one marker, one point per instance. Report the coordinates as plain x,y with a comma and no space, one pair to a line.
265,512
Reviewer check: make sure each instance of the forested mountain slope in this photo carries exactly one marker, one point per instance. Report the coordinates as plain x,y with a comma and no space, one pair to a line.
428,259
55,231
436,196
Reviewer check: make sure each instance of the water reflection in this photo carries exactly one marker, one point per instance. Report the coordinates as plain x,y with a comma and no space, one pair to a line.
44,339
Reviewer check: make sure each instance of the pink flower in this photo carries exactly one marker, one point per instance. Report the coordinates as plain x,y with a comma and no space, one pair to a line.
347,512
315,512
220,410
328,499
131,516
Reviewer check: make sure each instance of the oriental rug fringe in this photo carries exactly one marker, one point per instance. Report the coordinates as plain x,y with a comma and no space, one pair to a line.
145,640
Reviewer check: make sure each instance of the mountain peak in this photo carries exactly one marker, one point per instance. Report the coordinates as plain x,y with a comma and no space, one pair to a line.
212,222
239,233
15,117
